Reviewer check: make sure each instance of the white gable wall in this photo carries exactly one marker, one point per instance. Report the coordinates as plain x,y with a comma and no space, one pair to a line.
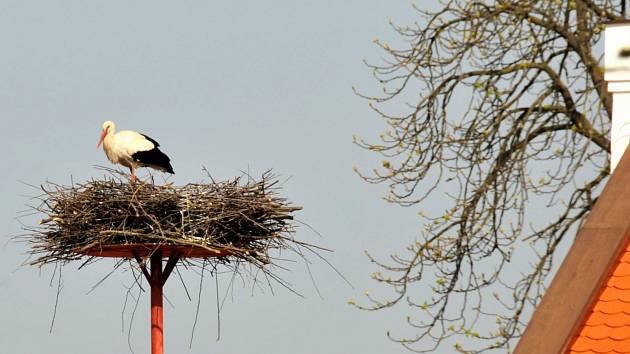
617,74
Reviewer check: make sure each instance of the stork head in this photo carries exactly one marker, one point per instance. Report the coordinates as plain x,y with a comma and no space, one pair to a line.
108,127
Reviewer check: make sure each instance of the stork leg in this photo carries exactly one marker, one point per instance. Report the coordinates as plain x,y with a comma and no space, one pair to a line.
133,174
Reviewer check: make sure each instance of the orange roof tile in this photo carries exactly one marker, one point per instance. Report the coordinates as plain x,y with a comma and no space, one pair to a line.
622,270
607,327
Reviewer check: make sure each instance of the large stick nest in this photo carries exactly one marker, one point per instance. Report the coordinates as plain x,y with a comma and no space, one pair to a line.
243,216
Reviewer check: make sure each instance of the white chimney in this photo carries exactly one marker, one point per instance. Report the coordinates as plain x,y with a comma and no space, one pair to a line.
617,74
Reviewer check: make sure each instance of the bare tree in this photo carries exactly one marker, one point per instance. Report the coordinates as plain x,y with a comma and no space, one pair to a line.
500,108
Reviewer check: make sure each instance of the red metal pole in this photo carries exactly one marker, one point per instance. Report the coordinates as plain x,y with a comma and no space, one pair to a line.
157,314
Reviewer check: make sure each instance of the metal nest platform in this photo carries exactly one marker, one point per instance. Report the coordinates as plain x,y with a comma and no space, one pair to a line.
143,250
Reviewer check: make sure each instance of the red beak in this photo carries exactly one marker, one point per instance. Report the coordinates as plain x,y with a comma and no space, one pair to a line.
103,134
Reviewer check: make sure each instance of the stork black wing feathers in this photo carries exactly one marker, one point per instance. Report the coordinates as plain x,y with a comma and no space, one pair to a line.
154,158
155,143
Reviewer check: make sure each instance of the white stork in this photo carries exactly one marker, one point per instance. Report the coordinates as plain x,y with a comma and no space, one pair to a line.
132,149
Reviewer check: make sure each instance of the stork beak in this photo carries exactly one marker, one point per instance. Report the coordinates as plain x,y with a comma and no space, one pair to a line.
103,134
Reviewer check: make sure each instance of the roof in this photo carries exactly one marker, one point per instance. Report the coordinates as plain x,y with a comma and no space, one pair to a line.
583,278
607,327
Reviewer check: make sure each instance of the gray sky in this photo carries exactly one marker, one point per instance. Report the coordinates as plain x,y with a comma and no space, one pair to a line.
229,85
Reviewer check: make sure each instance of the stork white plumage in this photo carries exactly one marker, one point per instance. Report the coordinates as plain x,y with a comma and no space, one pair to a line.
132,150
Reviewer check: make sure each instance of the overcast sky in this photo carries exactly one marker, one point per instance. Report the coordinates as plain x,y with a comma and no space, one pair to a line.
230,85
